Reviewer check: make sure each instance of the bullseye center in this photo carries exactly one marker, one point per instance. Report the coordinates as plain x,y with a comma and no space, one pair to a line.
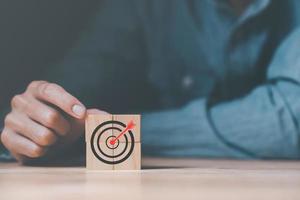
112,142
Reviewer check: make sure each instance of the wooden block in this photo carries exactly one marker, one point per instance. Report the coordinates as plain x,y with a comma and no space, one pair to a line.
106,145
133,162
96,148
125,119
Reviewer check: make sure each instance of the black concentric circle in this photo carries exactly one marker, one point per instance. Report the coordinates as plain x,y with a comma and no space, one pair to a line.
117,158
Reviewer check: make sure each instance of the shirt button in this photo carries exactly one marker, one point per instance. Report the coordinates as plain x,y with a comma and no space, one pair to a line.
187,82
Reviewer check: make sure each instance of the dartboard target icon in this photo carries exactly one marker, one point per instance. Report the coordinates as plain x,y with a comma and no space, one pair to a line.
112,142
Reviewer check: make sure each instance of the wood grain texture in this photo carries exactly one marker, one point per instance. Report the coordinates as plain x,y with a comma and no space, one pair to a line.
167,179
134,161
92,162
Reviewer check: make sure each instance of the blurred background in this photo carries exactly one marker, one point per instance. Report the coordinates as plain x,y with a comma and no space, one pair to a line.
35,34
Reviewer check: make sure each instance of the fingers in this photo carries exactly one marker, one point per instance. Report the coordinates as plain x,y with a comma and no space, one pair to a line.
43,114
56,95
20,145
36,120
26,127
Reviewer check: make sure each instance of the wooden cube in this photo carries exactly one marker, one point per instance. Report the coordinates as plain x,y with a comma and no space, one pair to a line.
113,142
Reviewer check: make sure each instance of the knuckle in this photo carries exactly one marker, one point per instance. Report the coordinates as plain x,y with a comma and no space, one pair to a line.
34,84
8,119
47,88
5,140
46,138
36,151
51,118
19,102
16,100
3,137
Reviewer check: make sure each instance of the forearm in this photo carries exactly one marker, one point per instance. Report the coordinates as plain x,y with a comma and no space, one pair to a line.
183,132
259,125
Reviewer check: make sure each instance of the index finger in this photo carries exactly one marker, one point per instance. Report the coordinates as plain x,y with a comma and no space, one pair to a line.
58,96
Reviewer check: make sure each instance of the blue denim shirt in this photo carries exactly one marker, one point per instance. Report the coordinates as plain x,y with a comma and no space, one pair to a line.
210,83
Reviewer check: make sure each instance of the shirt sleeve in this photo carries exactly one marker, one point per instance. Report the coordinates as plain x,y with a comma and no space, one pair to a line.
262,124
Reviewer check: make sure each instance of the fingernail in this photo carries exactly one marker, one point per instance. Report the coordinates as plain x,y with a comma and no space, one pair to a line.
78,110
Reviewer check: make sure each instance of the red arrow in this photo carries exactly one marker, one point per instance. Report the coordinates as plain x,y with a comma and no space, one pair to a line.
129,126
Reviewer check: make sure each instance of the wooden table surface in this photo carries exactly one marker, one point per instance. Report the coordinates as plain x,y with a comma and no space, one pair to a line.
160,179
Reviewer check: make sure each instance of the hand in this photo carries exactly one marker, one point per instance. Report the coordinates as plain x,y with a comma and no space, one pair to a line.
45,115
